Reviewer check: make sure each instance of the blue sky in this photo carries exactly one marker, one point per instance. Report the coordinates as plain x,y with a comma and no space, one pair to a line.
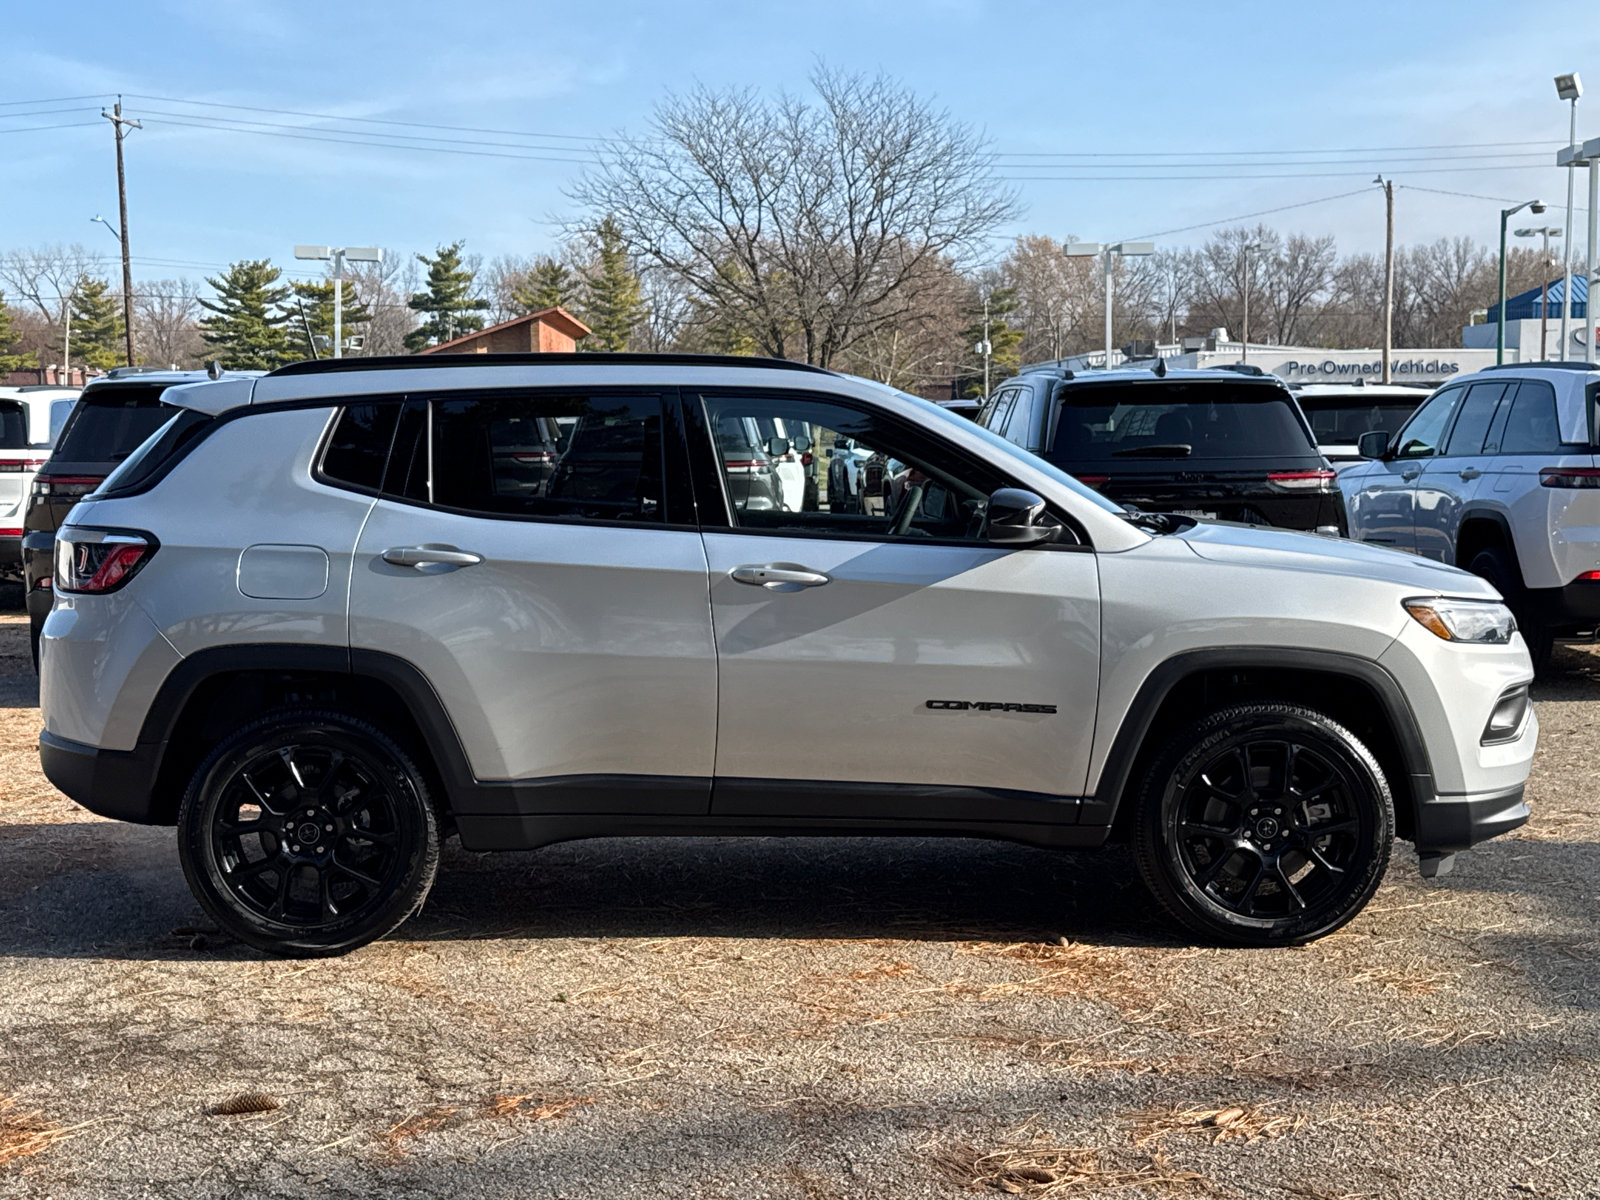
1145,85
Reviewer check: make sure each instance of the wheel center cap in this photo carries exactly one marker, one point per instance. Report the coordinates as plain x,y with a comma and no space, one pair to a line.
1267,828
309,833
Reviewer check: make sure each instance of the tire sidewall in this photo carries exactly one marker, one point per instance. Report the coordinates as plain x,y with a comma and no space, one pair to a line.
1159,857
415,818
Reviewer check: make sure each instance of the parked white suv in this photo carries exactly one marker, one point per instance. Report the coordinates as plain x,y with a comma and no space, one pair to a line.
317,622
1497,473
30,419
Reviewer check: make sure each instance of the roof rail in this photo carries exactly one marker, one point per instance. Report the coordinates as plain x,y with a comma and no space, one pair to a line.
1560,365
413,362
1238,368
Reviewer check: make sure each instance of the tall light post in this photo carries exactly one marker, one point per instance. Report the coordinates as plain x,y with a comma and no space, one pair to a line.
1388,272
1536,206
1120,249
339,256
1247,249
1547,232
1568,87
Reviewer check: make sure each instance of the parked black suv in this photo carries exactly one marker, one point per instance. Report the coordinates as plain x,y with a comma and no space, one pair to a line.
112,417
1229,444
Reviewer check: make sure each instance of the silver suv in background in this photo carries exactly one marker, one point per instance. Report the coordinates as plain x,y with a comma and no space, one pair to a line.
1340,413
1497,473
319,620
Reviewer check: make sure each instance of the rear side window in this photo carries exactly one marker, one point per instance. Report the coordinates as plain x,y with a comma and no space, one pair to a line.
1477,413
1181,420
13,425
359,446
590,457
1531,426
109,423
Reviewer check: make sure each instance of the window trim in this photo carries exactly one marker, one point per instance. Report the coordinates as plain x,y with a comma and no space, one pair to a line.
705,451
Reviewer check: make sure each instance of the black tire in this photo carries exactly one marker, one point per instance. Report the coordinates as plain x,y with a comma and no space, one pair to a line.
1497,566
1264,825
361,853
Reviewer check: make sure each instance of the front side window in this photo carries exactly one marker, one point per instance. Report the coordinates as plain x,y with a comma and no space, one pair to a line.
857,472
1421,438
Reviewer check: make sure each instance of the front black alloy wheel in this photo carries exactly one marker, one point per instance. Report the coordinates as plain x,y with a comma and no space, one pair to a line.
1266,824
308,833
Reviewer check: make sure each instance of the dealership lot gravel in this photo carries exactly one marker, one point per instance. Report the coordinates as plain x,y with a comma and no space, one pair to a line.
794,1018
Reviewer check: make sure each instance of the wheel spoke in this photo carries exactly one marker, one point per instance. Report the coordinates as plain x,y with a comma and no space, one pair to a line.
243,828
1313,793
285,874
1201,829
1282,877
261,797
330,910
1348,823
328,780
1321,860
250,870
371,835
287,754
1246,902
358,876
1211,872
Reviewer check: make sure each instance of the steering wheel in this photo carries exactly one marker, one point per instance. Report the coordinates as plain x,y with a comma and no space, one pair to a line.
906,510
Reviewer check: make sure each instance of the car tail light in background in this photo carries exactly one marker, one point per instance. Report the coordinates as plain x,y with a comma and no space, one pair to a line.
16,533
1588,577
1570,477
21,466
1093,481
1320,480
100,560
65,486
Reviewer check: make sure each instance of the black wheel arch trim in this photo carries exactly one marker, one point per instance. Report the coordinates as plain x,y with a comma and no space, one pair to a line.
1113,784
1495,517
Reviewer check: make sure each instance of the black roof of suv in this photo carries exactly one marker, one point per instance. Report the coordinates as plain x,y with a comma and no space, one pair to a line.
1229,444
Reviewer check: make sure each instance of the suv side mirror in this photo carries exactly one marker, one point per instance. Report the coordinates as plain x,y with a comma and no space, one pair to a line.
777,446
1373,444
1018,518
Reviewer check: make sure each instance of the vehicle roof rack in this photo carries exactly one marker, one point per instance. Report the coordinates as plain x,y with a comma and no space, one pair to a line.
413,362
1562,365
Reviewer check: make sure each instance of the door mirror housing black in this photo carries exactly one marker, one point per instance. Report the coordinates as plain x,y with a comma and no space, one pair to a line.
777,446
1018,518
1373,444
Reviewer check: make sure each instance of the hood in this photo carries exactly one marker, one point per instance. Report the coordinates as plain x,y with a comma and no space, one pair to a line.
1285,549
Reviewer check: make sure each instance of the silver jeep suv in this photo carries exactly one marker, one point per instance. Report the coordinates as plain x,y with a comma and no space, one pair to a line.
1497,473
324,618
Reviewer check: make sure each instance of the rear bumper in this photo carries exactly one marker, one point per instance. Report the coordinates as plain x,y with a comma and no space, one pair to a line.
1576,606
119,784
1449,824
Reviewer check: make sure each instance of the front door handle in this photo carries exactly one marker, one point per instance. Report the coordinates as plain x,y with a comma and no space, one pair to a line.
778,577
1470,472
1410,474
434,558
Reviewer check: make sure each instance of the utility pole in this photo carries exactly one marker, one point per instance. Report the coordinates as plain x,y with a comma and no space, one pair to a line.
1388,272
120,125
1568,87
1244,353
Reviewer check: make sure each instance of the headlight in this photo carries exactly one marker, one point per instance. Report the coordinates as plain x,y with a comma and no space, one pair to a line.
1485,622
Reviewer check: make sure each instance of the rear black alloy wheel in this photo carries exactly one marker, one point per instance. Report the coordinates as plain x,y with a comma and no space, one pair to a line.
308,833
1266,824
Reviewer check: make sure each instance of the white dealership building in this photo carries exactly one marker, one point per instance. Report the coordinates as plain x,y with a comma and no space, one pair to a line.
1309,364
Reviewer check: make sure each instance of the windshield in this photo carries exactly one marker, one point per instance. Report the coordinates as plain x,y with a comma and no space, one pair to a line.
1126,423
109,423
1010,449
1345,420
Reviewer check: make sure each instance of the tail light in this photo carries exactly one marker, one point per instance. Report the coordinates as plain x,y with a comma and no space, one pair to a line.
1588,577
16,533
1320,480
1093,481
22,466
744,466
100,560
62,486
806,460
1570,477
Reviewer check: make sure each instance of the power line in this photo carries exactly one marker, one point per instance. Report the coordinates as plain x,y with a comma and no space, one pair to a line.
35,128
1246,216
1317,162
1247,178
1226,153
312,137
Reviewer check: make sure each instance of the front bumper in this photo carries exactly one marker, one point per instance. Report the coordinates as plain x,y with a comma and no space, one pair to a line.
119,784
1450,824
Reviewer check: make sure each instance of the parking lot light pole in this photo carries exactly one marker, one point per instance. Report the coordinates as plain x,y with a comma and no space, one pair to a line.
1506,214
339,255
1247,249
1547,232
1122,250
1569,88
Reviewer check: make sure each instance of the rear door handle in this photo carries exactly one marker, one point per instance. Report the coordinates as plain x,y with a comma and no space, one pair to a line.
1470,472
434,558
778,577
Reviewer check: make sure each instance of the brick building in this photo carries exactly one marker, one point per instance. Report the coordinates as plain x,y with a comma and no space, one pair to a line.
548,331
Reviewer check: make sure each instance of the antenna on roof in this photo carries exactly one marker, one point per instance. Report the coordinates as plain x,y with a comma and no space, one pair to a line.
1160,369
214,369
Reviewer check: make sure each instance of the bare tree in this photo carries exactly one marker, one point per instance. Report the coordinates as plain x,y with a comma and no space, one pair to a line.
165,330
45,276
386,287
1058,298
810,224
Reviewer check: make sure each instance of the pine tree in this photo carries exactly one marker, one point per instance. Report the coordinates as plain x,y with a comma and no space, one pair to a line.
550,284
612,305
315,302
1005,341
97,329
11,362
448,307
247,331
